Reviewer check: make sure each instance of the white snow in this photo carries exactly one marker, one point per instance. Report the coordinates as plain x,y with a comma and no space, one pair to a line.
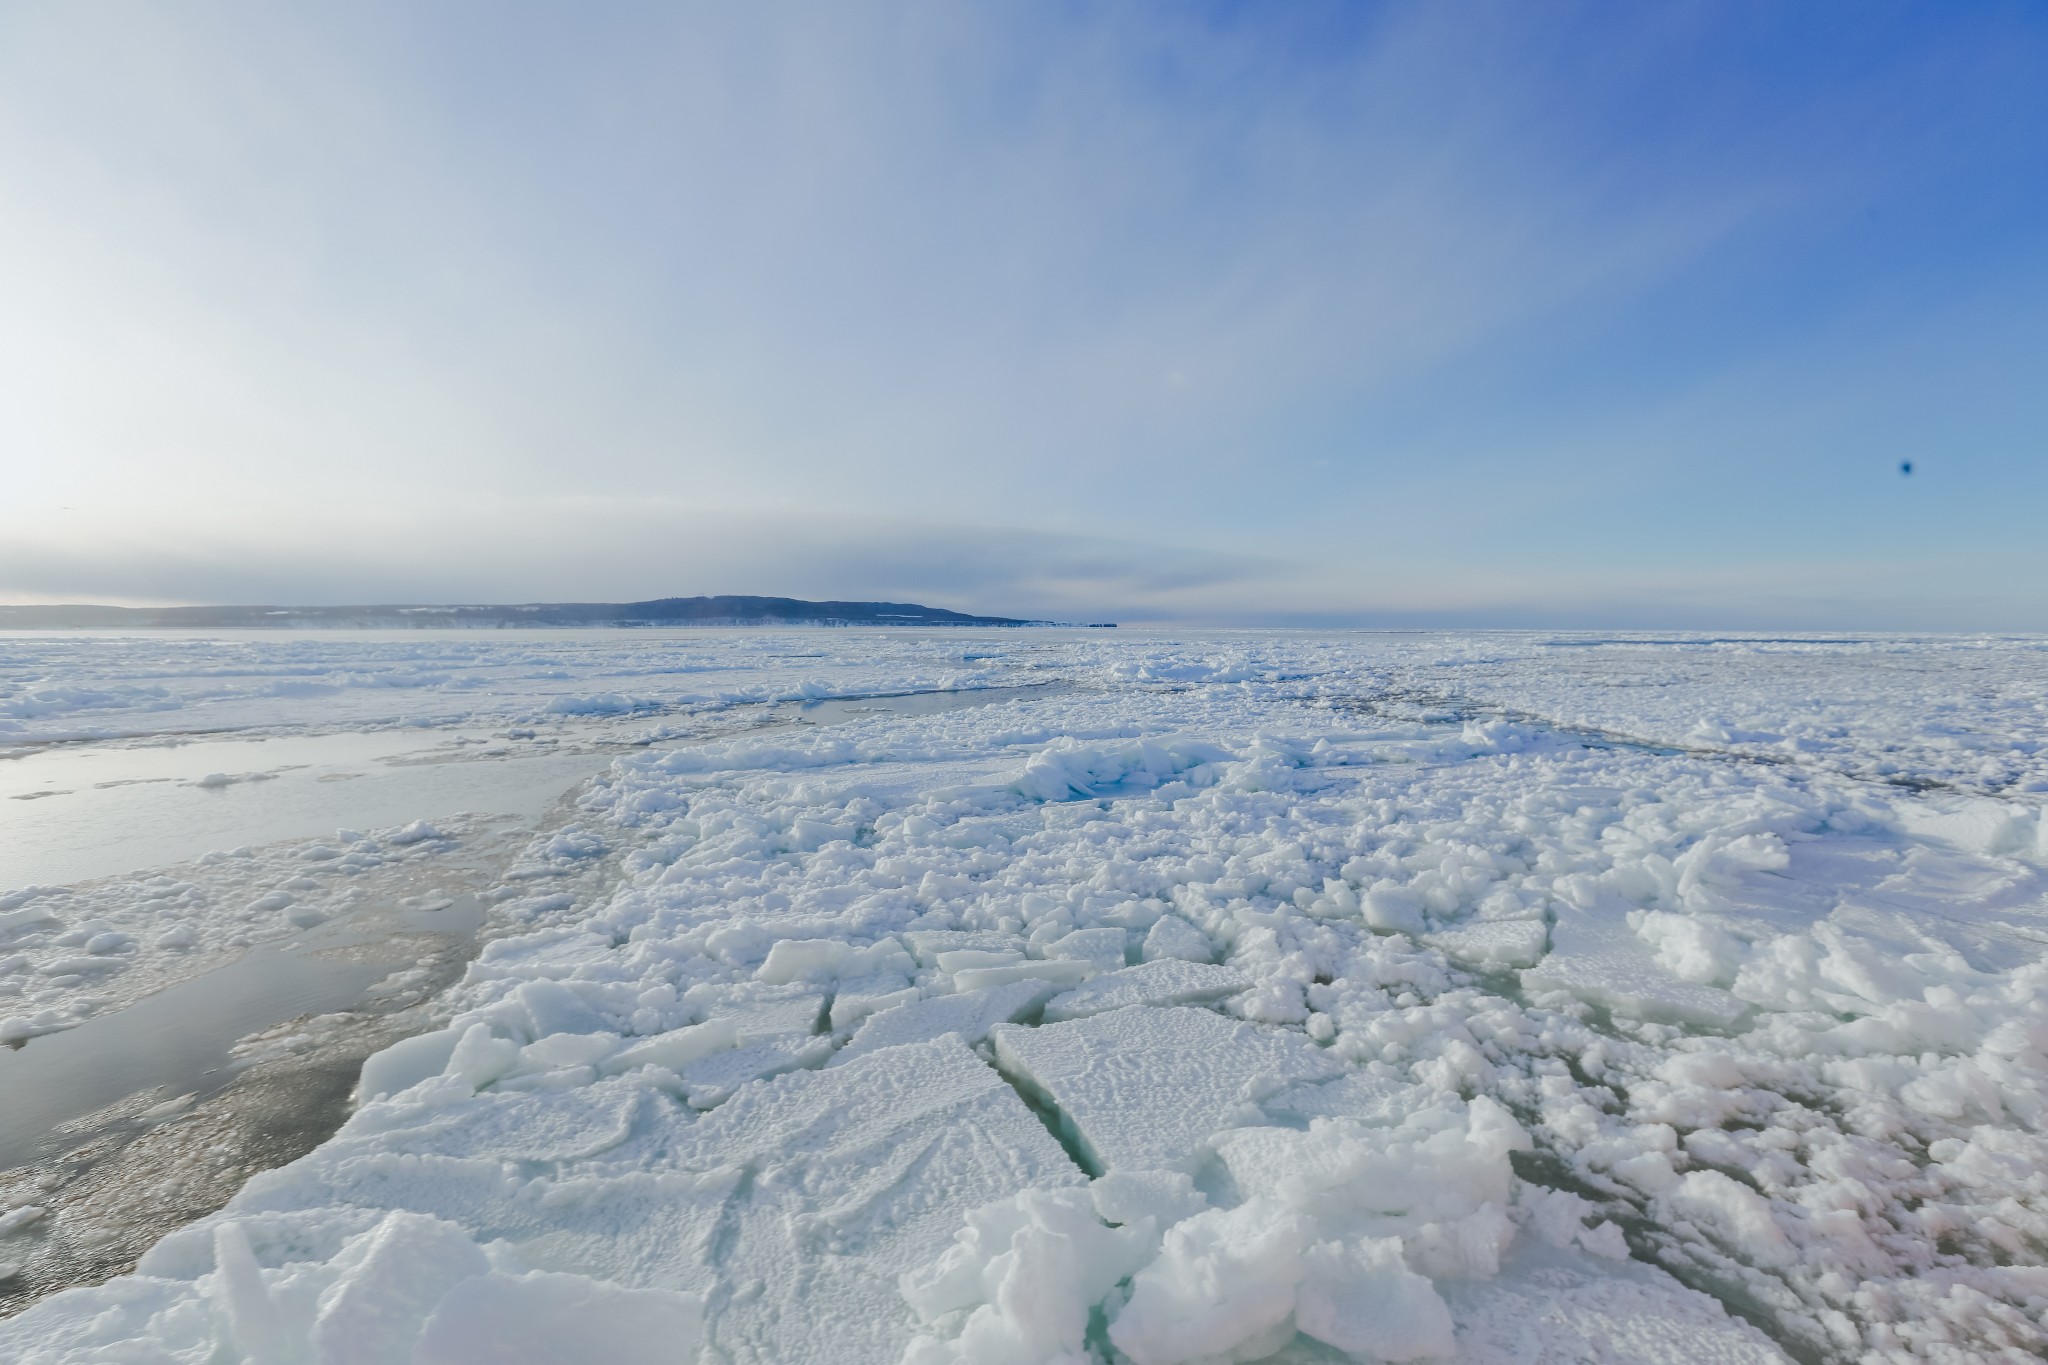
1144,1089
1162,982
1487,998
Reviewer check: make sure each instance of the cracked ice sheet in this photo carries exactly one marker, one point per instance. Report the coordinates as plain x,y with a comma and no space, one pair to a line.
88,723
71,686
1849,1152
789,1211
1145,1089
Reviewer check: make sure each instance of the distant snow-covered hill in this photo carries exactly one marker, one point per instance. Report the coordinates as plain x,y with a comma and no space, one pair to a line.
665,611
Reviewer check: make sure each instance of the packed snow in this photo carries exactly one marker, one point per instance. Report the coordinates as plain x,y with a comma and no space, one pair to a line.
1196,998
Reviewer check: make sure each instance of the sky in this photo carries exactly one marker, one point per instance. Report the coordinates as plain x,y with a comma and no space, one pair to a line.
1281,313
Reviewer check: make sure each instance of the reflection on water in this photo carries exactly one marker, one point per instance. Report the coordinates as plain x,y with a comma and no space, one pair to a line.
118,809
178,1040
75,768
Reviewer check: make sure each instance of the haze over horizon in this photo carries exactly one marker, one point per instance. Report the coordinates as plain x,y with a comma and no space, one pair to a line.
1346,314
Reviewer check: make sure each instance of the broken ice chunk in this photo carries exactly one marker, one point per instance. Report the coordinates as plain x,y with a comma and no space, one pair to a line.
1166,1197
402,1269
1731,1213
762,1020
1055,973
538,1008
677,1048
1499,943
754,1039
710,1081
939,1089
1559,1218
1174,937
1030,1268
1441,1181
855,1000
1393,909
1165,982
964,959
1595,957
865,1171
1691,947
1103,948
1144,1089
1363,1299
563,1051
1368,1099
1223,1288
794,959
971,1015
244,1301
927,944
406,1063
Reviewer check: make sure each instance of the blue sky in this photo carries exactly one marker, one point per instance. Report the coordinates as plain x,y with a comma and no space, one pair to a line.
1478,313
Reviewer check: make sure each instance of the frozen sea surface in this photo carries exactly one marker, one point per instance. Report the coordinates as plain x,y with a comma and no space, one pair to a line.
1192,997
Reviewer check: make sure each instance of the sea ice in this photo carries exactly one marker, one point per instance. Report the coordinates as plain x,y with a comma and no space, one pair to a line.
1163,982
970,1015
1144,1089
1492,998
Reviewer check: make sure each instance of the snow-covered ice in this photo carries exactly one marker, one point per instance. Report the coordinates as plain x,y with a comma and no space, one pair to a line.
1141,1089
1501,997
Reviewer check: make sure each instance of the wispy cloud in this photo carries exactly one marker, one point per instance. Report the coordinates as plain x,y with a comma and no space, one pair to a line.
1370,293
600,549
590,548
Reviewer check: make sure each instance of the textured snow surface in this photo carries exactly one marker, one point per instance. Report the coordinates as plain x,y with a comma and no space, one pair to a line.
1494,998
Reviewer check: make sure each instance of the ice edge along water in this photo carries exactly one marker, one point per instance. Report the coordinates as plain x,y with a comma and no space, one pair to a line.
1264,1000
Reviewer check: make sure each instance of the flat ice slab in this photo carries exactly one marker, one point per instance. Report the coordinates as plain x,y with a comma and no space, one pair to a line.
789,1210
1165,982
1144,1089
858,1173
970,1014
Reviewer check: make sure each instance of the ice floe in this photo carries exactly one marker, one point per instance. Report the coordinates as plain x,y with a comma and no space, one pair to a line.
1479,998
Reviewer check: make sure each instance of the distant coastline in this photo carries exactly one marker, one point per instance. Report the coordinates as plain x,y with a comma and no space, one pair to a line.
664,611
